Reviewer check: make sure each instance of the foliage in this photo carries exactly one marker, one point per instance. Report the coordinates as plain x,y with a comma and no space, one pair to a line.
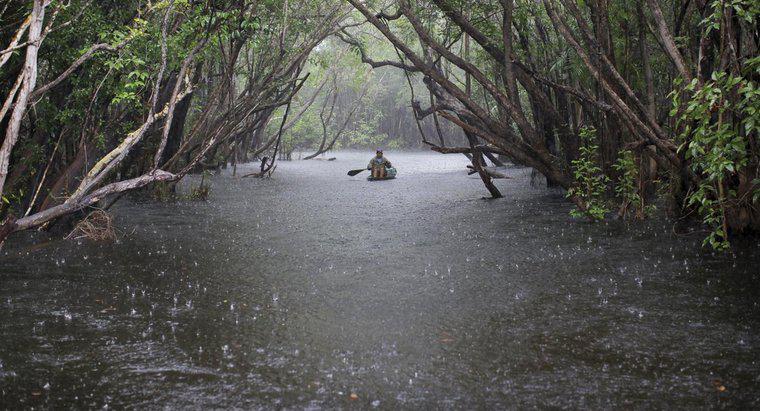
241,74
384,118
716,119
747,10
590,181
626,187
202,190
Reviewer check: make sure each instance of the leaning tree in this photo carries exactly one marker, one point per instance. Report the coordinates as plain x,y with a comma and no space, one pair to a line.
103,98
607,96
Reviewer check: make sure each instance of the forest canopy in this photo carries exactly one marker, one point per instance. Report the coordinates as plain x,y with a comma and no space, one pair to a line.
623,104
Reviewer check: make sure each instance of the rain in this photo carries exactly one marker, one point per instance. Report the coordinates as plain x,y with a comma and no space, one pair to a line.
328,287
379,204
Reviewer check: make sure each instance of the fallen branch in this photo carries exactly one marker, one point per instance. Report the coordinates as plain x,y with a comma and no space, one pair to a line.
465,150
52,213
493,172
259,174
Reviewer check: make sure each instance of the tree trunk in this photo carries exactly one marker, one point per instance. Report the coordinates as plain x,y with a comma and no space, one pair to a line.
29,74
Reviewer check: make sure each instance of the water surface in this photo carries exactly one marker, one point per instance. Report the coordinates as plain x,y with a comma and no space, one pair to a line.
303,289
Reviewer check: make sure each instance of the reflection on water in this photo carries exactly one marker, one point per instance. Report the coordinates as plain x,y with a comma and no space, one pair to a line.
314,289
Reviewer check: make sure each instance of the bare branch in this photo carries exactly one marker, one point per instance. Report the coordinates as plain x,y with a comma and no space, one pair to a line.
346,38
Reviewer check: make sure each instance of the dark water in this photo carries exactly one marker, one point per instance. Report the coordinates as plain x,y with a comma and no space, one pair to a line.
301,290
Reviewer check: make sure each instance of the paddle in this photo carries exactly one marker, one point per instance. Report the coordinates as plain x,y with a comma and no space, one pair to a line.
355,172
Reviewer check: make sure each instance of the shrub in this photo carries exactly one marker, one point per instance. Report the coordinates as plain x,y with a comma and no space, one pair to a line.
590,181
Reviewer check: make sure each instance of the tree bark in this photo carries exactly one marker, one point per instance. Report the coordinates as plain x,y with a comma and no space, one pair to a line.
30,80
667,40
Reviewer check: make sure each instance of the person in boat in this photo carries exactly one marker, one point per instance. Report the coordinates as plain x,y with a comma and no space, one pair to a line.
379,165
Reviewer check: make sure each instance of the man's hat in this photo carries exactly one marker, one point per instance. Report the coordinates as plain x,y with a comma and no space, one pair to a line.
379,150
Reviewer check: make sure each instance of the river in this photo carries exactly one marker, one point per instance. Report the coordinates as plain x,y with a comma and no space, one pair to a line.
314,290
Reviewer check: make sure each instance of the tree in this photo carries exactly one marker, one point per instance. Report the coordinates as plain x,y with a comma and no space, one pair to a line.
216,55
543,72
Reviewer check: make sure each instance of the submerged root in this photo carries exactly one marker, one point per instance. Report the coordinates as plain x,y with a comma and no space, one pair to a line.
258,174
97,226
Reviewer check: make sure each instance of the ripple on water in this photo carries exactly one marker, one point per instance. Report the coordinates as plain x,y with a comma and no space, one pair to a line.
316,290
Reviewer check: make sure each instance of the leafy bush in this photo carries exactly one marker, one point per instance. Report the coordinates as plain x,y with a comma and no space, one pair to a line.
202,190
590,180
627,189
715,119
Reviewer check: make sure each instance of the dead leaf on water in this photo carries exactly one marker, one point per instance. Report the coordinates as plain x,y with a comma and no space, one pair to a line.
719,386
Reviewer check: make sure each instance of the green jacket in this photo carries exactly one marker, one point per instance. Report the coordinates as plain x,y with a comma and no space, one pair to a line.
377,162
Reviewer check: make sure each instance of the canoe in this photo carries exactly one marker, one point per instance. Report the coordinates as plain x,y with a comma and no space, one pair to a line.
390,174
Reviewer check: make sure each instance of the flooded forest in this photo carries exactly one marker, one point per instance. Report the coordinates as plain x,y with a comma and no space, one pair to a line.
561,207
